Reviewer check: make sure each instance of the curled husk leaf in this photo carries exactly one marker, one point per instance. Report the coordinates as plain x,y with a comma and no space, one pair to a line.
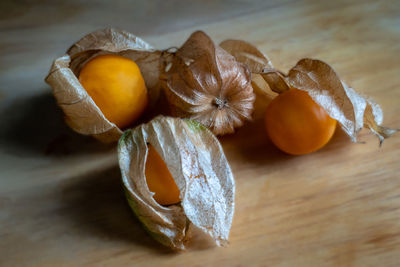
264,95
198,165
205,83
352,110
81,113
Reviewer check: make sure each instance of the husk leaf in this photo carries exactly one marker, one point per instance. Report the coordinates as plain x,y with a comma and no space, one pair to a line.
257,62
352,110
264,95
247,54
205,83
341,102
197,163
81,112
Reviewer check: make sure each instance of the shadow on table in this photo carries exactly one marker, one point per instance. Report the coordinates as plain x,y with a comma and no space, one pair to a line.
251,145
35,125
97,204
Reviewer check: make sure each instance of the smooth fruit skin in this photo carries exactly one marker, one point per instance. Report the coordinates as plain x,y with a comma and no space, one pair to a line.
296,124
159,179
117,87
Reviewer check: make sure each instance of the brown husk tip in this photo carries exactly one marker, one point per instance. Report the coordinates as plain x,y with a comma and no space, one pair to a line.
205,83
81,113
352,110
198,165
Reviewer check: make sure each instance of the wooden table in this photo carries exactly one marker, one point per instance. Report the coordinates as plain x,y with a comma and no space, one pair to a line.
60,196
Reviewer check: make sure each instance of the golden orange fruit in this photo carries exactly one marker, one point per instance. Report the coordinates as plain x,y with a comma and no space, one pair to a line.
159,179
117,87
296,124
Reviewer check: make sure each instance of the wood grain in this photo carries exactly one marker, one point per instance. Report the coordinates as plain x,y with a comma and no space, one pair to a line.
60,196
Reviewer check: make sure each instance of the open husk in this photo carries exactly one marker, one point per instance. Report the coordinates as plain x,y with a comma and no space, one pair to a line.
198,165
81,113
205,83
352,110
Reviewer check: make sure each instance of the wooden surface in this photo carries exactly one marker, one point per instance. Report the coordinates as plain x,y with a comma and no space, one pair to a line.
60,196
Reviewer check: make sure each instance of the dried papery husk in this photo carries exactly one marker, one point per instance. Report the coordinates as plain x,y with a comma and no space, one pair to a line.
198,165
352,110
341,102
205,83
264,96
81,112
257,62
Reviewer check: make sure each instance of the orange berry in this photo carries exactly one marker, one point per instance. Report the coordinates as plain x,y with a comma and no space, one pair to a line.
117,87
296,124
159,179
